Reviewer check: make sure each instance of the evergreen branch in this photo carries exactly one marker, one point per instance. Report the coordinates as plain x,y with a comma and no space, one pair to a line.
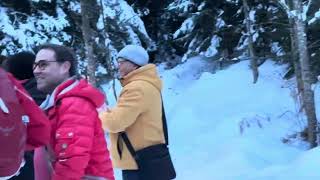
15,13
20,13
126,20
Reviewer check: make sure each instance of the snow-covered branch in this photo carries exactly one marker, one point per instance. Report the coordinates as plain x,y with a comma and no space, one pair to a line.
306,8
315,18
285,7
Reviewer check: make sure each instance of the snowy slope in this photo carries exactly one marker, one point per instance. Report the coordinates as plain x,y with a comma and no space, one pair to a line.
224,127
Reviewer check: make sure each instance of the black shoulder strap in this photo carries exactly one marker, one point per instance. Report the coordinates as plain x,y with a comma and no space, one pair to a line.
129,146
164,123
128,143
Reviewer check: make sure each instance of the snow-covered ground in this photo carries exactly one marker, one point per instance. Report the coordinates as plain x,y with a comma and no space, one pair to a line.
224,127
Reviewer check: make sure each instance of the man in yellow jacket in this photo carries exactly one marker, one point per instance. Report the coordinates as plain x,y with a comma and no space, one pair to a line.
138,111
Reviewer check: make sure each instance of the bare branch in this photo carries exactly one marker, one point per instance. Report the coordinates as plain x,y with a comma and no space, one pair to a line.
307,7
273,23
284,6
312,45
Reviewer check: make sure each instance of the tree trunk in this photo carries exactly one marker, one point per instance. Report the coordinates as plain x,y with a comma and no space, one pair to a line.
88,10
308,97
253,61
295,61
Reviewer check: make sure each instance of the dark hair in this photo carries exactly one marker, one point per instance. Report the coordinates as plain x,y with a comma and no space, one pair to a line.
2,60
20,65
62,54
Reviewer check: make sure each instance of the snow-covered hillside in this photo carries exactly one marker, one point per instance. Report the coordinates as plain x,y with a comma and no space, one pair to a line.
221,126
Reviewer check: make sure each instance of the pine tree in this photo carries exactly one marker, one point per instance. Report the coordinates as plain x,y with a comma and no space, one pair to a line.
26,24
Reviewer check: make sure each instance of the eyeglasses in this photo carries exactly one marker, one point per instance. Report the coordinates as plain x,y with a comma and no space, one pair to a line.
42,64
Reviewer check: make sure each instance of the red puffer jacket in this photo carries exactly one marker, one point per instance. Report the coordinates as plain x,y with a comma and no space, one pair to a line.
39,126
37,130
79,148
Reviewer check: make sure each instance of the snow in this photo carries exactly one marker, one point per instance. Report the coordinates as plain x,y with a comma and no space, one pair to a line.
275,48
33,31
125,12
273,9
252,16
220,23
306,8
133,37
212,111
212,49
255,35
127,19
182,5
186,27
315,18
129,16
189,53
285,7
201,6
75,7
101,70
41,0
243,42
224,127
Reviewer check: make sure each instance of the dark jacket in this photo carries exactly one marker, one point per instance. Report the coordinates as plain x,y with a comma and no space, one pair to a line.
31,86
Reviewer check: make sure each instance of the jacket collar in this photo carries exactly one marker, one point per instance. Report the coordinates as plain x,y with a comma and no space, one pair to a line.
133,75
49,102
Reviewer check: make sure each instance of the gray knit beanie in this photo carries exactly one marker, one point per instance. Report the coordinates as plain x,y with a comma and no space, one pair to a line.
135,54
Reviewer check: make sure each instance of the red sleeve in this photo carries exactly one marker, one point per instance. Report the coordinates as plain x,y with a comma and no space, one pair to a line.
38,128
74,138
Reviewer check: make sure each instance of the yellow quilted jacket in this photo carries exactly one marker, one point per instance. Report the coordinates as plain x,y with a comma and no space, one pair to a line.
138,112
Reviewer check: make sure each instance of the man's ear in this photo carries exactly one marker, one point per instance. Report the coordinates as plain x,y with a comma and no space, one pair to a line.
66,66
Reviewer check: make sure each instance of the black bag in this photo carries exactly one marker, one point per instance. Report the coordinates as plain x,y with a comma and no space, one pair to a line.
154,162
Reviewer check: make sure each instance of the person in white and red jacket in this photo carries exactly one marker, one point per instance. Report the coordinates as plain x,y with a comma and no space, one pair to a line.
20,66
37,130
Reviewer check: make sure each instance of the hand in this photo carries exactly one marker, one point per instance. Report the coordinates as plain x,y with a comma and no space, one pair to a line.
103,108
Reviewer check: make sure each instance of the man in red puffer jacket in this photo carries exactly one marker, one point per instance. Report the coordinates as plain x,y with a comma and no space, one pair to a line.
78,148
